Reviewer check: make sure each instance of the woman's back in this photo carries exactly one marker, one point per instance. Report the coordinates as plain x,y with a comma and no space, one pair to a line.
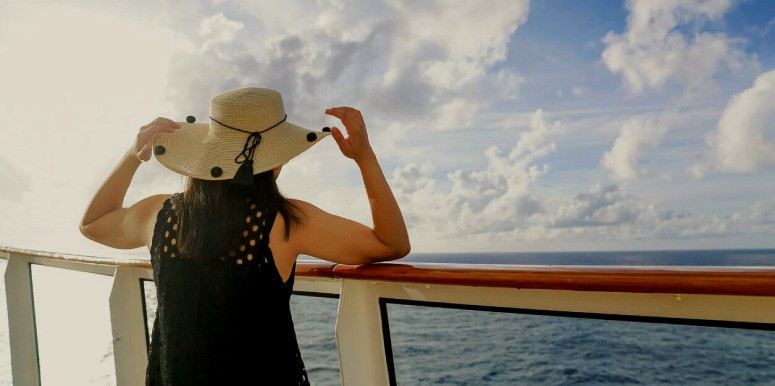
225,318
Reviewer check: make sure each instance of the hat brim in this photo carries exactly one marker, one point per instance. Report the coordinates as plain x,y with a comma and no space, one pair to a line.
195,152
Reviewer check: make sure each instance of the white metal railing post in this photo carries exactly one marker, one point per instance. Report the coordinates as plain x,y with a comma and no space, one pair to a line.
130,352
359,338
25,366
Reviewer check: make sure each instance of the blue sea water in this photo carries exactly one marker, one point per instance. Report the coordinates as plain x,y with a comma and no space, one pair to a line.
443,346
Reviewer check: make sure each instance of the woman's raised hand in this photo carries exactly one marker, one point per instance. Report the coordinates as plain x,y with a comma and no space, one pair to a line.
144,140
356,243
356,145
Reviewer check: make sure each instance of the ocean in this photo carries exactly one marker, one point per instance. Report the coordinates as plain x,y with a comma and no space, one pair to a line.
445,346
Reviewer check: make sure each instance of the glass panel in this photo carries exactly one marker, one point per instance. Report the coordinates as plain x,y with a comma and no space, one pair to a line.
315,320
5,348
451,346
72,317
149,290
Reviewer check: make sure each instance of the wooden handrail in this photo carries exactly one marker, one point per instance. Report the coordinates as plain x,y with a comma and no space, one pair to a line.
750,281
118,262
677,280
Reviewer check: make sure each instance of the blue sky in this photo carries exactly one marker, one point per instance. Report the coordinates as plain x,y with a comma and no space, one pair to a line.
501,125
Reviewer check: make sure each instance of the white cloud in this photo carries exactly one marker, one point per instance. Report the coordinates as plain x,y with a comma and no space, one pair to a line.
741,143
218,28
499,204
699,170
507,82
456,113
496,199
602,205
760,215
653,51
428,65
449,46
607,212
635,137
766,30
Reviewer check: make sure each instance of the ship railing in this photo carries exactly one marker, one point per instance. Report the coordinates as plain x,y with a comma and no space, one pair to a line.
741,297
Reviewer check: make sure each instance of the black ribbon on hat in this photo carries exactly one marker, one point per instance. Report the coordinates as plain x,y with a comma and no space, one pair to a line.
244,175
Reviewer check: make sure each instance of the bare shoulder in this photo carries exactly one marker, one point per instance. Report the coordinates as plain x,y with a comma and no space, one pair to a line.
147,209
158,198
152,204
304,206
311,217
309,212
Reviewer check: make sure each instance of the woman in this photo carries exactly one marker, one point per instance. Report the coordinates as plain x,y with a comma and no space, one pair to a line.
224,251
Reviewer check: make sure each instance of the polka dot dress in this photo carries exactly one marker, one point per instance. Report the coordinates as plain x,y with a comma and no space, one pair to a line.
225,320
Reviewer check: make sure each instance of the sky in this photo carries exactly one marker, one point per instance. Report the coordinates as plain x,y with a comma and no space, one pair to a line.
502,126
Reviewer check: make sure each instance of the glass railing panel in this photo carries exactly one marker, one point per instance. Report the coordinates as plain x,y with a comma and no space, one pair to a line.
314,318
149,301
72,319
433,345
315,321
5,348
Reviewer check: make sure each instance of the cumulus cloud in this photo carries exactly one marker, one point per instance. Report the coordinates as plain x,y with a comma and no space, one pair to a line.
426,64
654,51
602,205
214,62
760,215
741,142
218,28
495,199
636,136
499,203
507,83
449,47
607,212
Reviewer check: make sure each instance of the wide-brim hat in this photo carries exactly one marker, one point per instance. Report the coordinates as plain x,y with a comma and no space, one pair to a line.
248,128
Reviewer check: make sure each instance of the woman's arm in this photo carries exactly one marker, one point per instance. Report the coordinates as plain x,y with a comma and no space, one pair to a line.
340,240
106,221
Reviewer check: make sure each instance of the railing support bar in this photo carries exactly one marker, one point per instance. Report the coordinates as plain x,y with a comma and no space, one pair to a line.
25,366
359,335
128,325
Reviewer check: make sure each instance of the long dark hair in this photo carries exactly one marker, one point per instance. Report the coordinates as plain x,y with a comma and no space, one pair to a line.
212,212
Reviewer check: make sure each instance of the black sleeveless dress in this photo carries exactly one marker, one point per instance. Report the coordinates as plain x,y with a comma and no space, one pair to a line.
226,321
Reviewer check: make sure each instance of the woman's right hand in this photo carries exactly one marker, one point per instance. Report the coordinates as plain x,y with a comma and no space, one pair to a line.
356,145
143,142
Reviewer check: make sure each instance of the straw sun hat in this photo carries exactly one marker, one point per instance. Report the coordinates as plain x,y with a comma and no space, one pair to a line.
248,134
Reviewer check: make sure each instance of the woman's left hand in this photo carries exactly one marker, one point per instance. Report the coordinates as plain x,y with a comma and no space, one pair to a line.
356,145
144,141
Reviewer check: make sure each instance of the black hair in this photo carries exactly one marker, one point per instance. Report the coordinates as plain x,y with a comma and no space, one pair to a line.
212,212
